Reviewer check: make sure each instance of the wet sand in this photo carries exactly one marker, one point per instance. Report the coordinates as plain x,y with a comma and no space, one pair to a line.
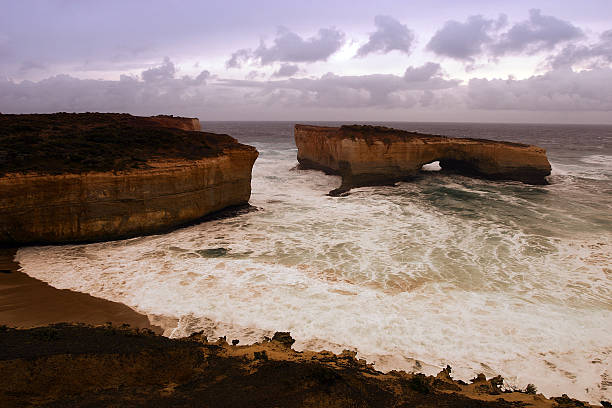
27,302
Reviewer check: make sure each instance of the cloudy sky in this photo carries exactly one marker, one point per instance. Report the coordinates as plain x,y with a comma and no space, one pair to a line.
473,60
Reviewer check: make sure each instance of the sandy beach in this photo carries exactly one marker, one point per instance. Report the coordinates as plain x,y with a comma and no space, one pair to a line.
27,302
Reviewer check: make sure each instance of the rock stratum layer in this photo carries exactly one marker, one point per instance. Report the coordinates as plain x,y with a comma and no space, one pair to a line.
375,155
163,188
74,365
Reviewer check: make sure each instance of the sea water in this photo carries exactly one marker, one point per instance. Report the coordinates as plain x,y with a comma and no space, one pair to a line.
493,277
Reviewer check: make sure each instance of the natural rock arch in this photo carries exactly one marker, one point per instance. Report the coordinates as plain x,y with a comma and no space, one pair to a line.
375,155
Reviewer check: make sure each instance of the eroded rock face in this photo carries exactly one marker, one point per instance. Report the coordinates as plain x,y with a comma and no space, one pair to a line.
160,192
103,206
374,155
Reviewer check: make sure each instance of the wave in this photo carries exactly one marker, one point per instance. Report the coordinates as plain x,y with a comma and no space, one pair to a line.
500,278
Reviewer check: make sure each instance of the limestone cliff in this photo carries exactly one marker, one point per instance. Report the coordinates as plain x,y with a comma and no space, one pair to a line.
177,122
163,188
374,155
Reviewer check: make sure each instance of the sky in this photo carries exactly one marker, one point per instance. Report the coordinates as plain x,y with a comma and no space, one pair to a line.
443,61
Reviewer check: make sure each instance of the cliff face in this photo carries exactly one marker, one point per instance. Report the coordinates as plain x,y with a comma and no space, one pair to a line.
101,206
177,122
92,177
369,155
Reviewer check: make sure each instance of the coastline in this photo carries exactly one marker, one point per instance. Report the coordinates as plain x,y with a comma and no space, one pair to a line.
131,367
26,302
78,324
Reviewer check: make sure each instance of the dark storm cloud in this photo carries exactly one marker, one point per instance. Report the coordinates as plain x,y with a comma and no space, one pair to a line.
290,47
599,53
538,33
464,41
558,90
286,70
390,35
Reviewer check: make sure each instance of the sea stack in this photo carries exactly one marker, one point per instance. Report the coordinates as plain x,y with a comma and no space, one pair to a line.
92,177
376,155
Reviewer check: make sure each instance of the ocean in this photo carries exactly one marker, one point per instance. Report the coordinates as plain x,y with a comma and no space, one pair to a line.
493,277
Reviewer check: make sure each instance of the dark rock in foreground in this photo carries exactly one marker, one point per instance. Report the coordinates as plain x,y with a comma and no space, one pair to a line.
376,155
78,366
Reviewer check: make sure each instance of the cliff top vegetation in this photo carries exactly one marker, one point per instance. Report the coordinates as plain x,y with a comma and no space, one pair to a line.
81,142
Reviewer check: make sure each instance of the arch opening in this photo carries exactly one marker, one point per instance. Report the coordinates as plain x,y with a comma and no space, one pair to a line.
432,166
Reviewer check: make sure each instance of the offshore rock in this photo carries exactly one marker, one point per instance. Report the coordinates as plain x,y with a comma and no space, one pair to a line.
178,177
375,155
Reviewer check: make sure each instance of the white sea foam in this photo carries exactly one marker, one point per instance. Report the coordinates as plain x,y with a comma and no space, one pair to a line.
600,160
519,335
443,271
594,167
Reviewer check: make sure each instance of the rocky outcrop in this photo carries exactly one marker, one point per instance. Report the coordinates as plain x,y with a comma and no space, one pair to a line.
374,155
75,365
154,193
177,122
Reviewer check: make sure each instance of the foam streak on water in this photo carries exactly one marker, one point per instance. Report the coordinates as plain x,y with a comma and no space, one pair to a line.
499,278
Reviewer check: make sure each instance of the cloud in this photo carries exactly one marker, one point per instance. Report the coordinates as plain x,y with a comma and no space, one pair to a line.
538,33
423,73
31,65
464,41
290,47
558,90
161,73
238,58
479,36
338,91
599,53
286,70
159,91
390,35
253,74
